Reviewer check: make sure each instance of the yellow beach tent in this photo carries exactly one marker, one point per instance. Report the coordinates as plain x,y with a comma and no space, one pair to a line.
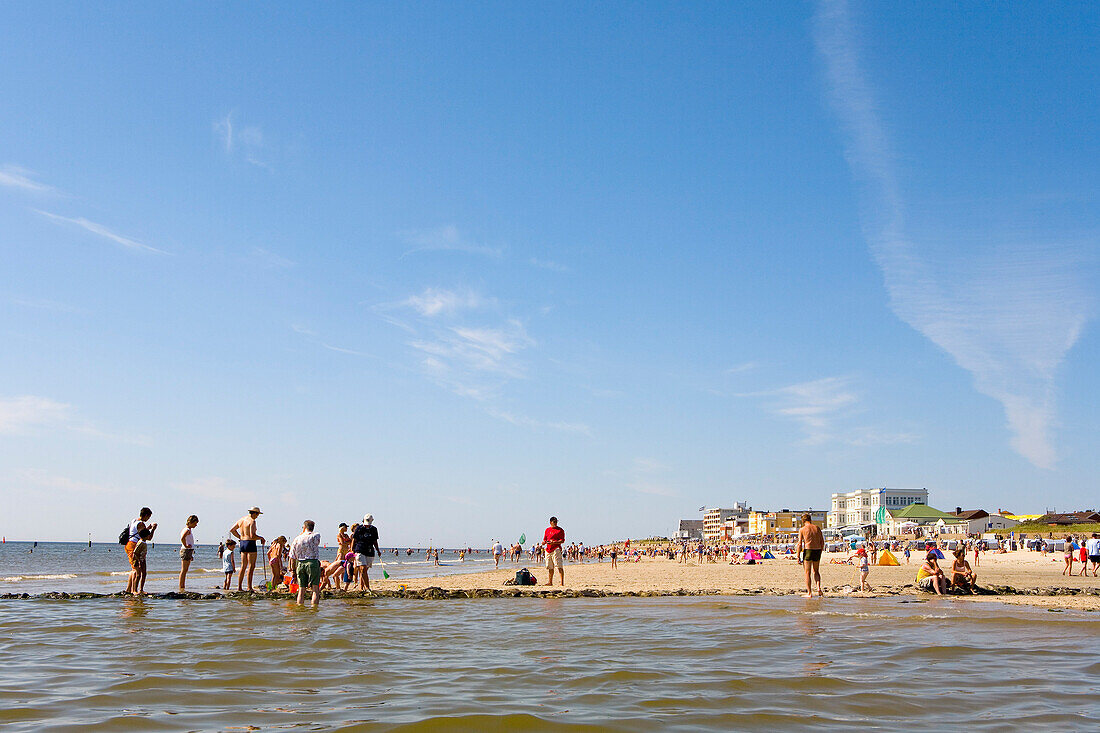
887,558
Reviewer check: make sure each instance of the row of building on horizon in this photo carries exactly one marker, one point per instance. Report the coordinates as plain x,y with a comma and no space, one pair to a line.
873,512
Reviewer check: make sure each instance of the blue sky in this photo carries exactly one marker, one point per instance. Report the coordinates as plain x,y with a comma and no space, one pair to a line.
468,265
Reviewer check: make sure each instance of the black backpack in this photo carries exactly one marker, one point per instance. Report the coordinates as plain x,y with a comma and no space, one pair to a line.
524,577
124,535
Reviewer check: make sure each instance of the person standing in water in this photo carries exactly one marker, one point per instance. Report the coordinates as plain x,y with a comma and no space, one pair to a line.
187,548
810,544
136,527
245,531
305,563
365,545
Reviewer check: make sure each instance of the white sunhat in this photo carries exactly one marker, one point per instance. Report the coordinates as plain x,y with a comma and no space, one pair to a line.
368,518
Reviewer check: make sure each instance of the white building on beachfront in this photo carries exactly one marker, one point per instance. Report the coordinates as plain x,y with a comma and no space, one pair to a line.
862,507
714,520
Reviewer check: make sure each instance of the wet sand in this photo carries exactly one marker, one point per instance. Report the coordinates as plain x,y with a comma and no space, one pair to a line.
1012,573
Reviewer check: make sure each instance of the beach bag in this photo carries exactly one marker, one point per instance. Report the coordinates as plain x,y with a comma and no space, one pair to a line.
524,577
124,535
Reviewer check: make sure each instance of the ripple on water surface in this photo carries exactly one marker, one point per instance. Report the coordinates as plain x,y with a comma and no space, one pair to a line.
539,664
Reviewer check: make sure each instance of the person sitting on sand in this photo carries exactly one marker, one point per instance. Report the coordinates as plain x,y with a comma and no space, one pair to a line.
930,577
962,576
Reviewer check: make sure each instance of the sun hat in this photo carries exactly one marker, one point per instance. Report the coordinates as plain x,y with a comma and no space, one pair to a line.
255,510
368,518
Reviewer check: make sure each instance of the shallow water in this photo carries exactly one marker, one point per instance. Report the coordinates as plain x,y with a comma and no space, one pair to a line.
539,664
103,568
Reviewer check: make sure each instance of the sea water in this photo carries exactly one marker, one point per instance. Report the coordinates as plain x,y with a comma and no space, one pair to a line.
103,568
526,664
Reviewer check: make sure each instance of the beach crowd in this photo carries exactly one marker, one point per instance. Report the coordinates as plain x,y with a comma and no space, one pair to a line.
297,565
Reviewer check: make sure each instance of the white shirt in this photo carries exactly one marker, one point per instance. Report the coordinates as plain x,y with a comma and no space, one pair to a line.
498,549
1092,546
305,546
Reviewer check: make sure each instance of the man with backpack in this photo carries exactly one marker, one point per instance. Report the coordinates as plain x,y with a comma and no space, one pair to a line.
130,537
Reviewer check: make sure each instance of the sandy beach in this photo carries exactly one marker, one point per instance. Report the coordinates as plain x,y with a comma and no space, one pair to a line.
1022,571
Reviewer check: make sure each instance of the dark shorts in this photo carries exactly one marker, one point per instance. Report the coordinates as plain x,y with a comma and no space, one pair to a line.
1094,558
811,556
308,573
248,545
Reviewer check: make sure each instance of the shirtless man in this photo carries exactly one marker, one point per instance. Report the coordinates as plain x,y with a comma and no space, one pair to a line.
810,544
245,531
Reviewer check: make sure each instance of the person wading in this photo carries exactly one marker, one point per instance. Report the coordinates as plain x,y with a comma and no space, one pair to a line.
245,531
810,544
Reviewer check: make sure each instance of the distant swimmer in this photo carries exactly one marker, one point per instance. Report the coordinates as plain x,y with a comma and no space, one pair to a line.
245,531
810,544
187,548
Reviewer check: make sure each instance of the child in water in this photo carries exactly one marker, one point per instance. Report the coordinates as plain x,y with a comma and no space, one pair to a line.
226,554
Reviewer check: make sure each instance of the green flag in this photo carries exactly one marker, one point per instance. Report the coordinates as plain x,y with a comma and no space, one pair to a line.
523,538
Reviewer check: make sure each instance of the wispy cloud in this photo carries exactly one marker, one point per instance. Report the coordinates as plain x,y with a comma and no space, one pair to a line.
527,422
102,231
29,415
548,265
270,260
649,476
46,305
438,301
1008,317
342,350
816,405
446,239
463,355
12,176
747,366
62,485
826,410
313,337
19,415
246,141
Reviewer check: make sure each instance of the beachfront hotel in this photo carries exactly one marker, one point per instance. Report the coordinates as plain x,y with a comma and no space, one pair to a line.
715,520
784,520
860,508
